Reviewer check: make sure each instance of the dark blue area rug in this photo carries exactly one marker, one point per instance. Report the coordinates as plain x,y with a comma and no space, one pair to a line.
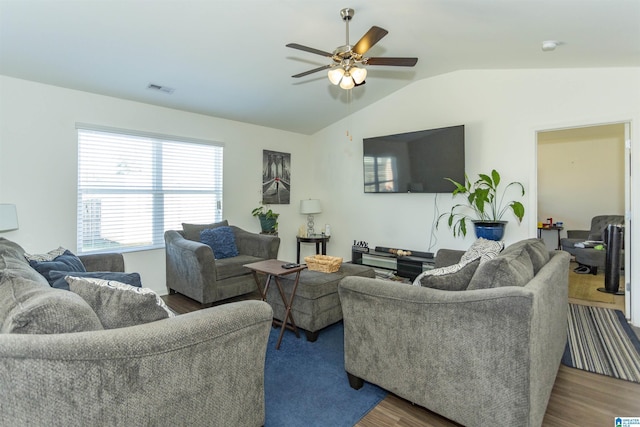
306,384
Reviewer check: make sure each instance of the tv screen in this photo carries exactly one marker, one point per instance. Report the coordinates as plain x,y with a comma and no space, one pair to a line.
414,162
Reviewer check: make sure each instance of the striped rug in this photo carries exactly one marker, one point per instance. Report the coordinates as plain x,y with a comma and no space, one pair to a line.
600,340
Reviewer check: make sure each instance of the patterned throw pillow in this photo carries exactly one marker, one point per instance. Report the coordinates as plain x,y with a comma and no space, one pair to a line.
119,305
221,240
482,249
49,256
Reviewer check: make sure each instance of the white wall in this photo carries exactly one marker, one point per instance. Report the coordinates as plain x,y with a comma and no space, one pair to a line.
38,157
502,111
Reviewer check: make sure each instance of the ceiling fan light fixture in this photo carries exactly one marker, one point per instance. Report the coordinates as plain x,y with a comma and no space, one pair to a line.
335,75
358,74
347,82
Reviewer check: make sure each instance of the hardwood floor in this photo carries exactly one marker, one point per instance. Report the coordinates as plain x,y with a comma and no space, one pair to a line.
579,398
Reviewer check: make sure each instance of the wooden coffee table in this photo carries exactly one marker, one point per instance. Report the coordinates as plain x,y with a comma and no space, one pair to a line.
273,269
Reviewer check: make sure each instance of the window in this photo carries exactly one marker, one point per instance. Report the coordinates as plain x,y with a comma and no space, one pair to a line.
380,174
132,187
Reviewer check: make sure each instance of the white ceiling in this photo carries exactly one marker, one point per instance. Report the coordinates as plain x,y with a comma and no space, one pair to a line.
227,58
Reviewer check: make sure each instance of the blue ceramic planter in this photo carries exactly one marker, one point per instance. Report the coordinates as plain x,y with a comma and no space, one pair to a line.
489,230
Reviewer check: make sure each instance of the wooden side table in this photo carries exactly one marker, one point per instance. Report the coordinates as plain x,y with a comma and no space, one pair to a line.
318,239
273,269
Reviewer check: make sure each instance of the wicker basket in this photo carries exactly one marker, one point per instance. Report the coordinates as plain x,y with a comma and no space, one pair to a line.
323,263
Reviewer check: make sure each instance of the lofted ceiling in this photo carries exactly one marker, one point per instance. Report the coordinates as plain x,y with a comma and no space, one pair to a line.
227,58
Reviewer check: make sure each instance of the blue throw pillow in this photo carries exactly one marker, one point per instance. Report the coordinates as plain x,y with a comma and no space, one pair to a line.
65,262
59,282
222,241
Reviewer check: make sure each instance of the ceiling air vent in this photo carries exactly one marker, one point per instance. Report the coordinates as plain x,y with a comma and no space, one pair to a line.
160,88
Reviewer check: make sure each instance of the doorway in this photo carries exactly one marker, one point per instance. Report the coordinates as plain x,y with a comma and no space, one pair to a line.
582,172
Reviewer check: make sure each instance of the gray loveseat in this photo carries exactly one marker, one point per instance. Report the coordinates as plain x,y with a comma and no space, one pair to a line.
204,368
193,270
480,357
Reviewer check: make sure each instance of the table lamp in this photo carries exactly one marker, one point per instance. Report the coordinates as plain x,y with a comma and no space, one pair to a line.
8,217
310,207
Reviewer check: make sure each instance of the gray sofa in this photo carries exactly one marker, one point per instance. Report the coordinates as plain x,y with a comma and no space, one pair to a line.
204,368
193,270
486,356
598,226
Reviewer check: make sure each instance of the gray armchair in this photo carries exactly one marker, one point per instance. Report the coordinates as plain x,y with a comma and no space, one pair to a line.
598,225
193,271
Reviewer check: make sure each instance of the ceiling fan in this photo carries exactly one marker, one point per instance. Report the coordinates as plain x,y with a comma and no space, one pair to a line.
347,68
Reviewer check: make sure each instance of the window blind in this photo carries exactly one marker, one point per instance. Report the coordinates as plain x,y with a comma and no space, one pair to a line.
132,187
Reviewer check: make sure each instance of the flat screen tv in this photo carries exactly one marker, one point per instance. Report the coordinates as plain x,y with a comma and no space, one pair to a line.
414,162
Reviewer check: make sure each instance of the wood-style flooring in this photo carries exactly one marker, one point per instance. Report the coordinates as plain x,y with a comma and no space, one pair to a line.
579,398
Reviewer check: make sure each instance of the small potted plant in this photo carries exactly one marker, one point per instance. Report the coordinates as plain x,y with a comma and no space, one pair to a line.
268,219
484,206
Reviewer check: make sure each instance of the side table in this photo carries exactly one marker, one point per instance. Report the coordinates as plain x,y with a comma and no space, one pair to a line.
558,229
273,269
318,239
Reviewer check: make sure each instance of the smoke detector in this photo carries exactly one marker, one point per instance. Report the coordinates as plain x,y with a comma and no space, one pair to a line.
550,45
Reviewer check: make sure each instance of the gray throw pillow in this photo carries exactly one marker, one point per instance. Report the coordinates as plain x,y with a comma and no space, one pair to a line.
457,281
119,305
192,231
508,269
536,249
44,310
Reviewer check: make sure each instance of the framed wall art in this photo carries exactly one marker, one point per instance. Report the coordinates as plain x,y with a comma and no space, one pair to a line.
276,178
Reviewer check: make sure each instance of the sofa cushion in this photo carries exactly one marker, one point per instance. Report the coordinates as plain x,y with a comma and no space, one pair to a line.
508,269
58,277
457,280
29,307
221,240
482,249
537,250
119,305
65,262
192,231
234,266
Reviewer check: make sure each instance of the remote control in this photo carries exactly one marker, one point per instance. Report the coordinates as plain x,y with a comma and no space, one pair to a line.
290,265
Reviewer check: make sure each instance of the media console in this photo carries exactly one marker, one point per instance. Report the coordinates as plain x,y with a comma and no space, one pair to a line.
409,266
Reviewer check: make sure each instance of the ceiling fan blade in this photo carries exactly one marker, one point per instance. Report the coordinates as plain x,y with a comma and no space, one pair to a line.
373,36
310,49
398,62
315,70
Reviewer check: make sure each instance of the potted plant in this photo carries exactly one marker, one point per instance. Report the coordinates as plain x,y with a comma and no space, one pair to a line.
485,203
268,219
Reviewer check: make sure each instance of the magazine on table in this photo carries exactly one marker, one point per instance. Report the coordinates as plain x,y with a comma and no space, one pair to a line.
589,244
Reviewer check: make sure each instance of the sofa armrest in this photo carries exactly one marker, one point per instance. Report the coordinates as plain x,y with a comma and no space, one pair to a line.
578,234
452,352
103,262
201,368
446,257
257,245
190,265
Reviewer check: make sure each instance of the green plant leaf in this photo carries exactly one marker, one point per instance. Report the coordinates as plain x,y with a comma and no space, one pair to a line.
496,178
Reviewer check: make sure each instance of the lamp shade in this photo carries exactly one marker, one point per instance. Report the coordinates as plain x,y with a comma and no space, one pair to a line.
347,82
335,75
358,74
8,217
310,206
